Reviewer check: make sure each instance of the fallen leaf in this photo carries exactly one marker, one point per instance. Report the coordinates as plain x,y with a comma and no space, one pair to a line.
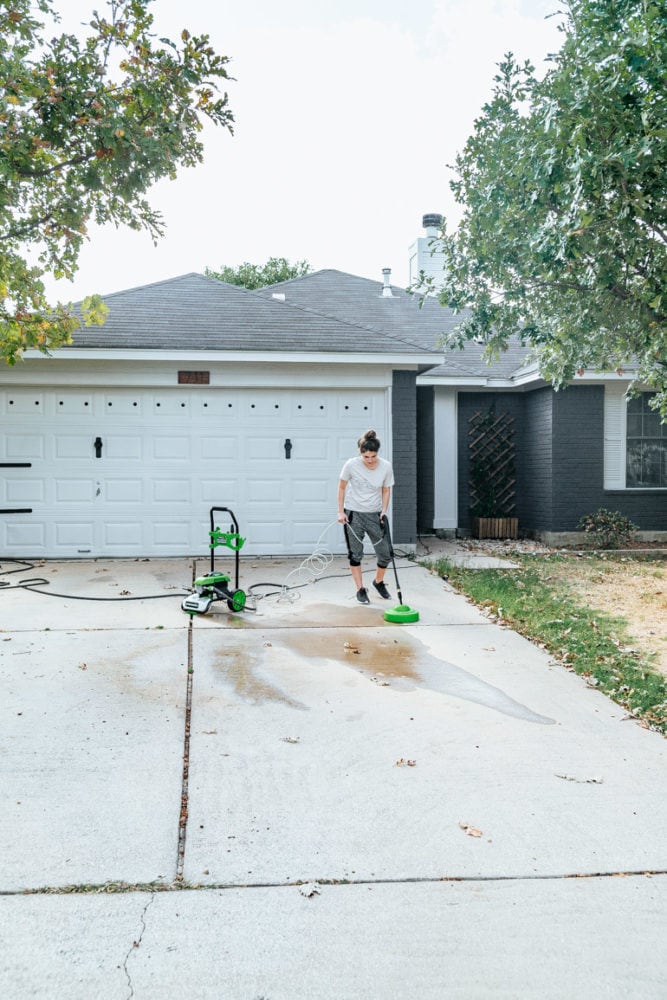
405,763
471,831
290,739
309,890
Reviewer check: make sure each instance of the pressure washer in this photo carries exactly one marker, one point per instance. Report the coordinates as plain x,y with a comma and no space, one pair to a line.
215,586
402,614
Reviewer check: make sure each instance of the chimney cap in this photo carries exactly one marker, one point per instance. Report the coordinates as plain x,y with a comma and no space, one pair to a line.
431,220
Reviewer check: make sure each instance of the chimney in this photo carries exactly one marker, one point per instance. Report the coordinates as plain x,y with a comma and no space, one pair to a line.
426,257
386,288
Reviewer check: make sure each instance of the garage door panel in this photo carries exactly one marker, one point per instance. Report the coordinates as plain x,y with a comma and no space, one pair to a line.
123,536
122,447
313,491
216,405
175,447
216,492
72,445
356,410
123,491
74,491
25,402
173,535
25,491
69,404
311,406
263,448
264,536
24,535
24,447
219,447
162,467
75,534
170,491
266,491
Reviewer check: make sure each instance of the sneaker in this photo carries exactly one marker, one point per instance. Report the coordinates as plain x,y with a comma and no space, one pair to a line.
362,596
382,590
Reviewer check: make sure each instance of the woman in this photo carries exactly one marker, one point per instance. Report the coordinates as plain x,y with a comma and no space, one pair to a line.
364,492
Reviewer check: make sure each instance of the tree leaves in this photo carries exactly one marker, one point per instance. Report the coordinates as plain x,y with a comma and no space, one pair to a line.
563,238
86,128
252,276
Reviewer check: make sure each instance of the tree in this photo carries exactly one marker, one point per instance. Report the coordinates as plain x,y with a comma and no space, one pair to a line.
86,127
252,276
563,238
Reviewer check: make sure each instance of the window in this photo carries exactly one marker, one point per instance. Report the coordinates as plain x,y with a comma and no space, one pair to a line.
646,445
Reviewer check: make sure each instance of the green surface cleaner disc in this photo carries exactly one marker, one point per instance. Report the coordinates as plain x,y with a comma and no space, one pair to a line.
401,614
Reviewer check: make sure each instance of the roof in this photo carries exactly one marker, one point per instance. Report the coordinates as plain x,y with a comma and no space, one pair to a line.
196,313
327,311
421,320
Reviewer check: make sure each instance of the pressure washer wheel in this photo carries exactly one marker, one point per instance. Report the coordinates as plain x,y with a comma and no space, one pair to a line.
236,601
402,614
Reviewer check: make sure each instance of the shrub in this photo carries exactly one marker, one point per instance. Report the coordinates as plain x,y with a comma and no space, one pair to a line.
609,529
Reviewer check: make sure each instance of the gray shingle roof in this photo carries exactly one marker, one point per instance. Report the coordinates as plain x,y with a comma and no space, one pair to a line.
328,311
195,313
422,321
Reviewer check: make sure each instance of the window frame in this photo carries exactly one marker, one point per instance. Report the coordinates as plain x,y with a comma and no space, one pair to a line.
616,440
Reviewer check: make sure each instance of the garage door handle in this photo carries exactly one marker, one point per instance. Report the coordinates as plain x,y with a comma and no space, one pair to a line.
288,448
98,447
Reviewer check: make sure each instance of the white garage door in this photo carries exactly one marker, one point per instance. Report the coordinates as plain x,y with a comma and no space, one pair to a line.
128,472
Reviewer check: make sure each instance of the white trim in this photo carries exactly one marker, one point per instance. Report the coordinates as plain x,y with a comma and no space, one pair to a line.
445,446
615,420
615,439
405,361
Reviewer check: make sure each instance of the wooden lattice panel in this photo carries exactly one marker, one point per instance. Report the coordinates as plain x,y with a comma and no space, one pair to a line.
492,477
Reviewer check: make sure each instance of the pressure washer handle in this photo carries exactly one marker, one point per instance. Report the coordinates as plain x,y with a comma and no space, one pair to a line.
385,526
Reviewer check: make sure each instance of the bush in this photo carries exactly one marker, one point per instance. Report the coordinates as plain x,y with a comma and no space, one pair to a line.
609,529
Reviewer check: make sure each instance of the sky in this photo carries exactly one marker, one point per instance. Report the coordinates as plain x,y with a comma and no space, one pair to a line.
347,113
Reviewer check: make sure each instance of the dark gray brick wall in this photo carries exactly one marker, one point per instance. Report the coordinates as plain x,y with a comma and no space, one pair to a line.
578,450
559,461
425,459
404,445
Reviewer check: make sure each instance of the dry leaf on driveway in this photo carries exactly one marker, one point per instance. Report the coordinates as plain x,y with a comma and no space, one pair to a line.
471,831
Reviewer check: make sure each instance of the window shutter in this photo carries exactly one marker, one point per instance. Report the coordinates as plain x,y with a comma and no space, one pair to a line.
614,436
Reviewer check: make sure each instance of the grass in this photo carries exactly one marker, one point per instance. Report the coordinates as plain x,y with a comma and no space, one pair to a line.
537,602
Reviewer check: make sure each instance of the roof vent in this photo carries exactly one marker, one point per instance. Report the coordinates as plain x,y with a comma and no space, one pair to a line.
278,296
386,288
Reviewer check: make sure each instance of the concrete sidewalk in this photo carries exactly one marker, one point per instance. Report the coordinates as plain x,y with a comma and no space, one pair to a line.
304,801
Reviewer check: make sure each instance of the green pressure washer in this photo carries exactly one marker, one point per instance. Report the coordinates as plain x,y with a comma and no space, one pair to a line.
215,586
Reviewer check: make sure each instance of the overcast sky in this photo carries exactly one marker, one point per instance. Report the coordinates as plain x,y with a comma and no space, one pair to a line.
347,114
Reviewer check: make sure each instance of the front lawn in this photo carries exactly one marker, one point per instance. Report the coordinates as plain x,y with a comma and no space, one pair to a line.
543,600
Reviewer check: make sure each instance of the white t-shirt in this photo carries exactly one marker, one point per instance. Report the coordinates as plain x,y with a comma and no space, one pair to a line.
364,486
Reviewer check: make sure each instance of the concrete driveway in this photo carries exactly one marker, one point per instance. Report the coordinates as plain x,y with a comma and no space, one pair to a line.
305,801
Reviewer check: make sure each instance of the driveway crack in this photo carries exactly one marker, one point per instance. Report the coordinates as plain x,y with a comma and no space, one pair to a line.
183,812
136,944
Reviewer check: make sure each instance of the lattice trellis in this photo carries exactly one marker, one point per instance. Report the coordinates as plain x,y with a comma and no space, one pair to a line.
492,451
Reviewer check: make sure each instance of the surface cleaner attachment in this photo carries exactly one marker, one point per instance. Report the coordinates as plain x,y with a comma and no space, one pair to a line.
215,586
402,614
